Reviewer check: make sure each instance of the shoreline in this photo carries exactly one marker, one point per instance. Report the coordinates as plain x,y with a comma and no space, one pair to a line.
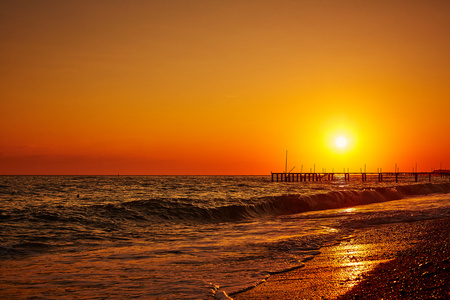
393,261
421,272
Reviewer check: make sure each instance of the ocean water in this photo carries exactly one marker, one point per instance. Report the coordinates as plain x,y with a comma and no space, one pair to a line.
184,237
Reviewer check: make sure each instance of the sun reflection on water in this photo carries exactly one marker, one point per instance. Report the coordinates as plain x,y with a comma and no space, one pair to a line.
349,210
354,260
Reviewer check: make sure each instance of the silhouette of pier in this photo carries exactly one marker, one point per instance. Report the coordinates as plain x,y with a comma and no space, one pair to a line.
324,176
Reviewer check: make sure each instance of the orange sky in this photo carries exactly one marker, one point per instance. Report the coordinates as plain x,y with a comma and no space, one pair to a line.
222,87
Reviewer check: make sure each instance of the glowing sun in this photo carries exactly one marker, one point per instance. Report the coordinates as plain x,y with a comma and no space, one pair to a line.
341,142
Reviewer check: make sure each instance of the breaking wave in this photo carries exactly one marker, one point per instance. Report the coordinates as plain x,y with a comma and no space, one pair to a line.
267,206
191,211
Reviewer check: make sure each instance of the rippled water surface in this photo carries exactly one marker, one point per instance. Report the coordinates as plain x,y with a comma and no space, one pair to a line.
183,237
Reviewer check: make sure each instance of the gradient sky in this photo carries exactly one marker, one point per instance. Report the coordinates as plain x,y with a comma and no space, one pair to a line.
222,87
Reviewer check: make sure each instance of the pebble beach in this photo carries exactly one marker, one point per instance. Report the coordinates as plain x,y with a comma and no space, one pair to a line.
395,261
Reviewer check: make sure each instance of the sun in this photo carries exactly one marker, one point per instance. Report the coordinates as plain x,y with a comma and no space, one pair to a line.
341,142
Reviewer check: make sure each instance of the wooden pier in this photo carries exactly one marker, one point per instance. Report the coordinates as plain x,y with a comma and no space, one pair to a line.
303,177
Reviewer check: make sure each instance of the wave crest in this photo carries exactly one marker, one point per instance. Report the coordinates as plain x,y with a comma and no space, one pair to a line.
269,206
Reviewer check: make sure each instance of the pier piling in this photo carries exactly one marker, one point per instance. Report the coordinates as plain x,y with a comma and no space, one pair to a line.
324,176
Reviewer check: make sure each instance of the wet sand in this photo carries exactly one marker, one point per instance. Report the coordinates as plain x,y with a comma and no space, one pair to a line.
393,261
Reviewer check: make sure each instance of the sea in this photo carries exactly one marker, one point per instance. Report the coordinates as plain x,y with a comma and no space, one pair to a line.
185,237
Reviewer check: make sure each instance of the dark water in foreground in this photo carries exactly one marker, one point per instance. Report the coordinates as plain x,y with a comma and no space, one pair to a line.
183,237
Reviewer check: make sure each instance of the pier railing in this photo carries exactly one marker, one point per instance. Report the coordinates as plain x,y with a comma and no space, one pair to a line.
303,177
